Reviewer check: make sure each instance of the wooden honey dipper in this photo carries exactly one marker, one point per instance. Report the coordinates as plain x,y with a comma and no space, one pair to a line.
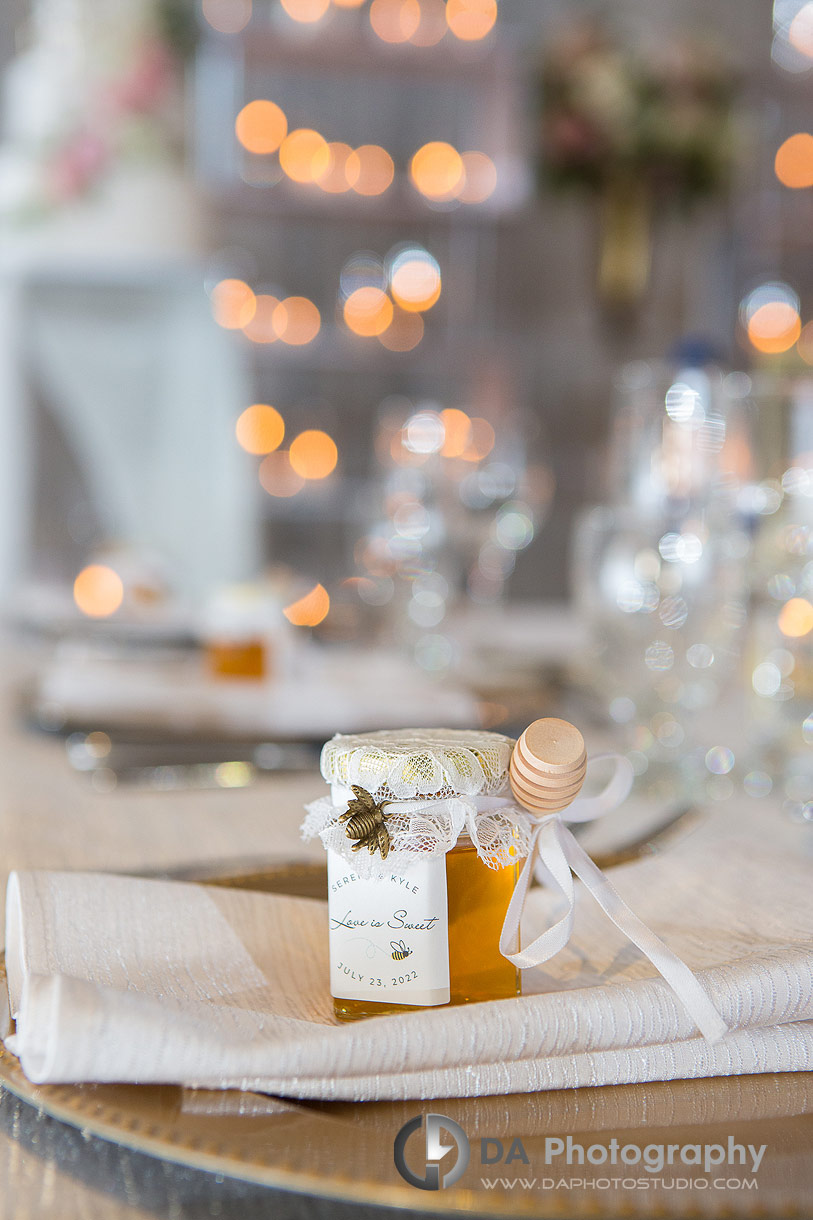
548,766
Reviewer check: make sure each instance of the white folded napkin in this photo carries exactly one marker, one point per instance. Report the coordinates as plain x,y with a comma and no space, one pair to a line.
330,691
120,979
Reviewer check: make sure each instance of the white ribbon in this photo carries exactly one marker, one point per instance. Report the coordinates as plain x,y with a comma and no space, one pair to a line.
555,855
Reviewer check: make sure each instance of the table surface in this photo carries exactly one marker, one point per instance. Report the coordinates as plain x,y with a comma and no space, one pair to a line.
51,817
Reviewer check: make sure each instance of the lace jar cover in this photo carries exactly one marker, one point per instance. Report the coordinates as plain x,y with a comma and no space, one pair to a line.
440,783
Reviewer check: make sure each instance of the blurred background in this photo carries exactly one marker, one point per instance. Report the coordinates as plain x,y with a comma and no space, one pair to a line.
375,362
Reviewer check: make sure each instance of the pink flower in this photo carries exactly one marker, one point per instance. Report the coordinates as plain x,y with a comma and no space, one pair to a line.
76,164
147,82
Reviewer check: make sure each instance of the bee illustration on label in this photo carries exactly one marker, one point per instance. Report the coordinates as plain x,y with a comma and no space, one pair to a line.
365,822
399,950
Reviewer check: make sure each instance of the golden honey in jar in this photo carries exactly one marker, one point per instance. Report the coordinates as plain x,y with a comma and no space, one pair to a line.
239,634
243,659
419,927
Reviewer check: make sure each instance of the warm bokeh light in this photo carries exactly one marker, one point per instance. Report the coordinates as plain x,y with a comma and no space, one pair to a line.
297,321
302,153
349,3
306,11
310,610
98,591
261,328
395,20
400,452
415,280
261,126
368,311
233,304
227,16
432,26
370,170
794,161
404,332
330,168
805,344
277,477
437,170
313,454
481,441
800,31
796,618
457,427
480,178
774,327
471,20
260,429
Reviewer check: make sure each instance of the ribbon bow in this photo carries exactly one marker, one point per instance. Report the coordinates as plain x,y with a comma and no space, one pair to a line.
554,856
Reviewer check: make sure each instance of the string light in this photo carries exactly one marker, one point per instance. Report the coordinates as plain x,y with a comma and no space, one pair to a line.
457,431
774,327
368,311
330,168
432,26
260,429
480,178
310,610
98,591
404,332
794,161
264,319
313,454
370,170
261,126
471,20
233,304
436,170
770,315
800,31
261,328
297,321
415,279
302,153
395,21
796,618
277,477
307,12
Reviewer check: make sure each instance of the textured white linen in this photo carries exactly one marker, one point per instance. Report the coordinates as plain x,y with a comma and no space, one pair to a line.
114,978
338,687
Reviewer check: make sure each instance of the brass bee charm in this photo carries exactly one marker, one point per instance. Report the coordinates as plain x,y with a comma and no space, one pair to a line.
365,822
399,950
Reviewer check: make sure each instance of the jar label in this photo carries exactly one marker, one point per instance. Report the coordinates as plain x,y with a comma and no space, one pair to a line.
389,936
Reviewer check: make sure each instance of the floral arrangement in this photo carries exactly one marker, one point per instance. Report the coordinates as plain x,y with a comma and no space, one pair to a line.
129,62
664,117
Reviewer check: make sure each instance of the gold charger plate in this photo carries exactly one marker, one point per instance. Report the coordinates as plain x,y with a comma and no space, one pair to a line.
344,1151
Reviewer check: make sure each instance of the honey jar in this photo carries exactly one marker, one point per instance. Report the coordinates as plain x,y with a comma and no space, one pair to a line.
240,630
423,841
